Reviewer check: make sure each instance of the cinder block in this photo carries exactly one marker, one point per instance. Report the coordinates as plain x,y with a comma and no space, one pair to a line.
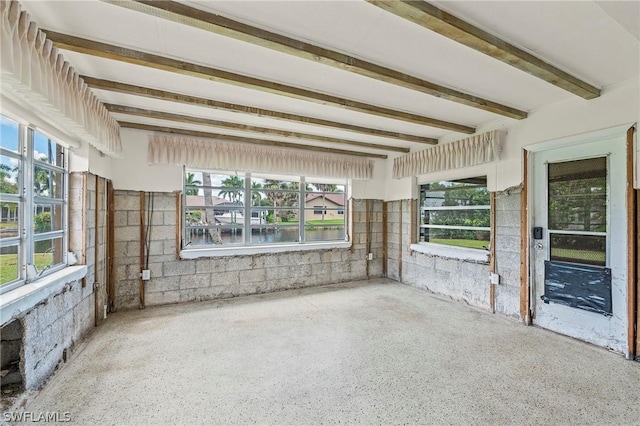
195,281
170,218
331,256
178,267
253,275
127,233
215,265
133,218
228,279
170,246
163,232
162,298
126,200
238,263
277,273
322,268
163,284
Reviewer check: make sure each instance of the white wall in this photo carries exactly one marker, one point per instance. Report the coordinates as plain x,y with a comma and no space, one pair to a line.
132,172
371,189
619,104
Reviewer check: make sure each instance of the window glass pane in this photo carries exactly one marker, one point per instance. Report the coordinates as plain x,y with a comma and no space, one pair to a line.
9,134
9,214
48,253
472,218
46,150
585,249
456,237
578,195
328,230
275,193
47,218
47,183
9,174
9,267
463,203
219,235
274,234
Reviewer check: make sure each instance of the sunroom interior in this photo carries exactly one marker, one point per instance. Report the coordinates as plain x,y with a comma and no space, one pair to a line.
161,153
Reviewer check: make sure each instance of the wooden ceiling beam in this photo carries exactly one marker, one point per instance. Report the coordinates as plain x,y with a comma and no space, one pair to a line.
130,89
109,51
443,23
160,115
242,139
186,15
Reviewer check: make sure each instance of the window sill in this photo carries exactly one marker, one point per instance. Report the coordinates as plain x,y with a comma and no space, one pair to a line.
22,299
452,252
194,253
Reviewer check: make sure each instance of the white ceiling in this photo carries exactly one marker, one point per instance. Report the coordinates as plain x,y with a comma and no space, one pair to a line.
594,41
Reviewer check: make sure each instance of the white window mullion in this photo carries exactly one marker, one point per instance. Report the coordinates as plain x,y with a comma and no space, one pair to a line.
27,191
302,197
246,232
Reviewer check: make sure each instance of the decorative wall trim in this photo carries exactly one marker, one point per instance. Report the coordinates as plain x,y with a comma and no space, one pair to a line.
477,149
34,72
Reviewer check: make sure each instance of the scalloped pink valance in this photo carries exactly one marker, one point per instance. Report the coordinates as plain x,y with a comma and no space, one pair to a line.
35,73
230,156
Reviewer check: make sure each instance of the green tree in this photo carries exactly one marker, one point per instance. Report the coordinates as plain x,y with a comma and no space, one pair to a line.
191,181
256,195
233,188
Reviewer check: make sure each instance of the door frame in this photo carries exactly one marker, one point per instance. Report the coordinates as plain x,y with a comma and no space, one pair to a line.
527,302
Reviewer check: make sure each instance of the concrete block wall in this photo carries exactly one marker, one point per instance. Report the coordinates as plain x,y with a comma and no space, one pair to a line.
507,260
50,328
463,280
61,320
174,280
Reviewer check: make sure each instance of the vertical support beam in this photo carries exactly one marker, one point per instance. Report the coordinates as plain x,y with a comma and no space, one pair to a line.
492,253
367,235
385,218
111,248
632,254
525,303
400,244
143,239
352,226
179,224
96,252
413,223
83,259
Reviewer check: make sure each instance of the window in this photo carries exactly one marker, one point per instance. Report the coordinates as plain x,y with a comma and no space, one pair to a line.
248,210
455,213
33,206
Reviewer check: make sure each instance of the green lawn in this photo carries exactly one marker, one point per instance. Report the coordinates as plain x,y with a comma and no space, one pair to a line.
574,255
9,265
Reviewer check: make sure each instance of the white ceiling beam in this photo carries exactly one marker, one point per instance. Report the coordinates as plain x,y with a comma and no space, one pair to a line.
186,15
443,23
118,53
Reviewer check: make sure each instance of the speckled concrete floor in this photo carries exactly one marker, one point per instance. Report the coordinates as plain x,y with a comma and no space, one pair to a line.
372,352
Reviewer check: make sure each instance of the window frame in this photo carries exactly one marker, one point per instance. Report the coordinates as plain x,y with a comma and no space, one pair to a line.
190,250
435,247
27,201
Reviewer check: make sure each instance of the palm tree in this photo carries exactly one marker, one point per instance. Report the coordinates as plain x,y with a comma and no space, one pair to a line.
233,188
190,181
41,180
256,195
